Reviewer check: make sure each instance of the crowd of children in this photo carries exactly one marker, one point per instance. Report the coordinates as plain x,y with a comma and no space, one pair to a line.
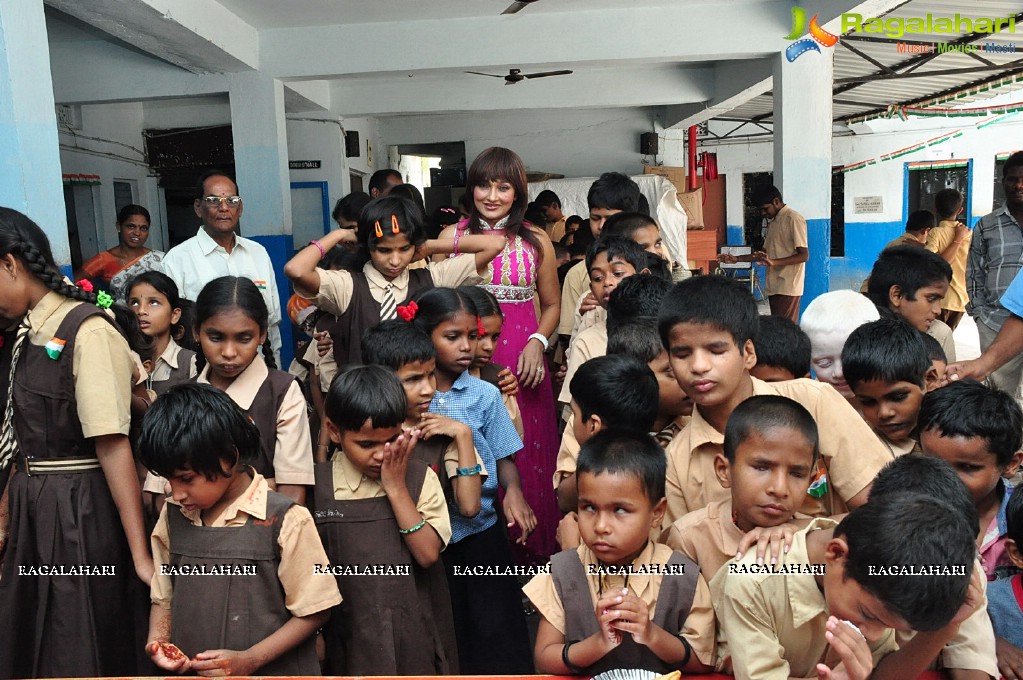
172,502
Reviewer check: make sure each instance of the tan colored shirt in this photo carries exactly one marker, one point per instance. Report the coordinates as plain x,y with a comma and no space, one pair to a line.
305,591
556,230
708,536
904,239
699,628
940,238
576,285
849,449
772,626
352,485
101,365
941,332
590,343
785,233
168,361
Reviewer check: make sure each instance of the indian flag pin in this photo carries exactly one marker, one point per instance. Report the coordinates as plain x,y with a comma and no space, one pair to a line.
54,347
819,486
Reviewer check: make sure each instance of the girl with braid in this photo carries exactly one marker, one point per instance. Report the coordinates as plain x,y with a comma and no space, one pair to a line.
76,541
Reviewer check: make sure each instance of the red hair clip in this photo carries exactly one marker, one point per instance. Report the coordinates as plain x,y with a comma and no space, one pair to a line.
377,230
480,330
408,312
395,227
85,284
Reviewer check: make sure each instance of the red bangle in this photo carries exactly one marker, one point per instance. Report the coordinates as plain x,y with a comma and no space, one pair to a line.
319,246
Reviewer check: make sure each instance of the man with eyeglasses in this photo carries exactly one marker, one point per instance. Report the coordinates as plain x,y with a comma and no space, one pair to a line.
217,250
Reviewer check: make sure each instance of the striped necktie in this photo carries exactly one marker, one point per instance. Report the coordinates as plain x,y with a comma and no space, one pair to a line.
8,442
388,307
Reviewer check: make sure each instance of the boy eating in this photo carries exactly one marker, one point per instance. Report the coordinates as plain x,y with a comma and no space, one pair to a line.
620,600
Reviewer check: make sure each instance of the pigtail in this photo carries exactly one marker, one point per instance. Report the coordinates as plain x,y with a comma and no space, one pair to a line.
268,354
200,360
36,263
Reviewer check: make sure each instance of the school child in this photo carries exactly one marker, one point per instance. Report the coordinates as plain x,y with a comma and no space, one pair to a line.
979,431
887,368
939,362
769,455
972,649
272,590
67,471
375,504
911,282
707,324
827,321
1005,595
783,350
445,445
390,236
951,240
598,602
823,603
489,622
154,298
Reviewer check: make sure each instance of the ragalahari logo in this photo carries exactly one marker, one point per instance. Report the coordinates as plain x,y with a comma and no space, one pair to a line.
817,35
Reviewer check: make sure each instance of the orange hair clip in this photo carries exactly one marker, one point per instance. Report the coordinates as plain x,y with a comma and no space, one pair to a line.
379,232
395,228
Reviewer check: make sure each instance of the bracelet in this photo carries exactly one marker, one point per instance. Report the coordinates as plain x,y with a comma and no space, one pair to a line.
542,338
412,530
469,471
319,246
457,234
568,664
689,652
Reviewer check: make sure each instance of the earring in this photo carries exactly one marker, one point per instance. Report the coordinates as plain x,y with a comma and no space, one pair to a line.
377,230
395,229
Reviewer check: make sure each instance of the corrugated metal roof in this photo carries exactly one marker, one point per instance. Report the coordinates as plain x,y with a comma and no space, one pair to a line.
857,99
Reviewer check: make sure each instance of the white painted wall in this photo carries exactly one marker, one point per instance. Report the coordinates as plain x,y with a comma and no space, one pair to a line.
322,141
369,133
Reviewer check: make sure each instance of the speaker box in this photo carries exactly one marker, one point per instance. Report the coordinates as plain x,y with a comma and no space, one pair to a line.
351,144
648,143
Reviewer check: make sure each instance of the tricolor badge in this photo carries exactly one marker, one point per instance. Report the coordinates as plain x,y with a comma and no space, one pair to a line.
819,485
54,347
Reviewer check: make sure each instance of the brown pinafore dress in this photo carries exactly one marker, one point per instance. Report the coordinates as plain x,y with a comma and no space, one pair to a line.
54,625
178,375
263,412
386,625
431,452
233,612
674,600
363,313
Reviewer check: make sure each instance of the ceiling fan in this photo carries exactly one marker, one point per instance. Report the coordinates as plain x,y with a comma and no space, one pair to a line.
516,75
518,6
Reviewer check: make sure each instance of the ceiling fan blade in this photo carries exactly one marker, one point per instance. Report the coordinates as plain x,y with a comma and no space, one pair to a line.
546,73
515,7
477,73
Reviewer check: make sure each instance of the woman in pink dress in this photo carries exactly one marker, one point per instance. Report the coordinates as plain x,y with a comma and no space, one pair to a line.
527,267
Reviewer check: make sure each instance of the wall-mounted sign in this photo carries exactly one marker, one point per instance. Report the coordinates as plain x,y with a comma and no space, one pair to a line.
303,165
867,204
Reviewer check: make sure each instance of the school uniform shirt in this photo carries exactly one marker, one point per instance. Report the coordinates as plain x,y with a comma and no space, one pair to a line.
772,626
168,361
336,287
511,404
590,343
556,230
352,485
200,259
708,536
785,233
938,239
1005,605
699,629
575,286
904,239
305,591
597,315
940,331
849,450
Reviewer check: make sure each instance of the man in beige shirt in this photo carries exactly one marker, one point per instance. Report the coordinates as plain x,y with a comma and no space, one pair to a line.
951,239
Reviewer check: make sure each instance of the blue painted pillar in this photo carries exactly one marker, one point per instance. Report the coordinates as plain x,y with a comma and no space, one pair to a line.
30,179
802,154
261,164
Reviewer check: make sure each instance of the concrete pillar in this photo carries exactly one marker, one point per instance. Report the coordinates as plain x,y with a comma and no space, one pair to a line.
802,154
31,178
259,130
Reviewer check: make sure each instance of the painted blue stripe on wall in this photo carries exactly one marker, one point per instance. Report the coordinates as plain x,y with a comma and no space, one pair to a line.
863,243
279,247
818,267
735,235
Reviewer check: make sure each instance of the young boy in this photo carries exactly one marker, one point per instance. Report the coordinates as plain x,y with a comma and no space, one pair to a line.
887,367
554,219
770,454
783,351
444,444
951,240
939,362
598,602
1005,596
911,282
918,226
707,324
377,506
261,611
979,431
607,392
828,321
825,602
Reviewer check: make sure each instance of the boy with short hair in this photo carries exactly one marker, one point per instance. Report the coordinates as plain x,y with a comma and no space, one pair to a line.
783,351
918,226
1005,596
707,324
951,239
825,603
828,321
911,282
887,367
939,362
554,219
769,456
621,600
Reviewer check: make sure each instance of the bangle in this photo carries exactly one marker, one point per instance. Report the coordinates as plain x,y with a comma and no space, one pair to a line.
469,471
412,530
689,652
542,338
575,670
457,234
319,247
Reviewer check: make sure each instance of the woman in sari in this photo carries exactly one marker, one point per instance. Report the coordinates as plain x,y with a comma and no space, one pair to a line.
117,266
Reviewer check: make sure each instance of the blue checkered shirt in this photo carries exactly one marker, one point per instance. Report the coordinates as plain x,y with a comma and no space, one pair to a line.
996,254
478,404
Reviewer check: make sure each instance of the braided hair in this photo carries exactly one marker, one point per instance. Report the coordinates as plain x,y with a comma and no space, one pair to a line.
23,238
233,292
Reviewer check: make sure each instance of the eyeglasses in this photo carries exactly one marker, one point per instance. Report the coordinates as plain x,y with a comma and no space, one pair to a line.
215,201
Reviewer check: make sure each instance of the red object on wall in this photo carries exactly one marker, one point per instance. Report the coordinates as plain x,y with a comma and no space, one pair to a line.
691,148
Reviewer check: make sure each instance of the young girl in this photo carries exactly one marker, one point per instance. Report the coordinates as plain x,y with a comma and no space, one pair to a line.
241,586
75,528
376,505
390,236
153,296
489,621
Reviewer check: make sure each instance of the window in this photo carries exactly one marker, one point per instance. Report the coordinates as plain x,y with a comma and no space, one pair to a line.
924,180
124,193
837,214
